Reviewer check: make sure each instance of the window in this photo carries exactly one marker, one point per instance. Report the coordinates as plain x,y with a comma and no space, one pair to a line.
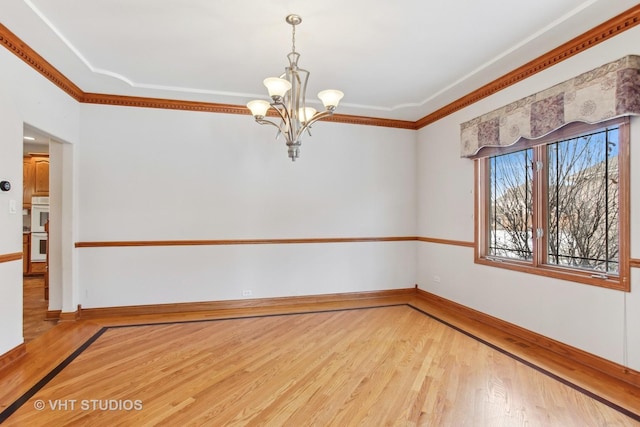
558,206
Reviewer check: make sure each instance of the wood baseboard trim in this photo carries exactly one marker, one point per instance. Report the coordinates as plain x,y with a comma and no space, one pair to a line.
213,306
634,262
52,315
573,355
12,355
69,316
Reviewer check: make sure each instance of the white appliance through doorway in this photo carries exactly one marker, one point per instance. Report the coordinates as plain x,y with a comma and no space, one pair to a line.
38,247
39,218
39,214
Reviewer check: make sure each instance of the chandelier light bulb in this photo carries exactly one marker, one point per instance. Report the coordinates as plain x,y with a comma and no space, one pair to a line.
258,108
305,114
277,87
330,98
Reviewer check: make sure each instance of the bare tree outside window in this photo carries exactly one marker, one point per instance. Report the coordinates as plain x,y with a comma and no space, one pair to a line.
511,205
583,202
581,228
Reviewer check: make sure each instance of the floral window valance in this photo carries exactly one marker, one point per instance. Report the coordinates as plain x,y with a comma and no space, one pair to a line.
609,91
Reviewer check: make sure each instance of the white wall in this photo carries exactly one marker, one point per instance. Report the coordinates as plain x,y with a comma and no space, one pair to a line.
63,284
25,97
587,317
148,174
10,227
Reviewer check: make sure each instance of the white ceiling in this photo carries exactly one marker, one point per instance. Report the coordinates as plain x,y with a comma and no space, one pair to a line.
34,139
399,59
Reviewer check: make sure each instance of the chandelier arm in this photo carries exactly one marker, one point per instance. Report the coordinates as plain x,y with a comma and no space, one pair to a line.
268,122
275,106
314,119
303,87
287,124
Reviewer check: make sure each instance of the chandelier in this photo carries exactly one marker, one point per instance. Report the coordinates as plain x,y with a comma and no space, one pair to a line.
288,99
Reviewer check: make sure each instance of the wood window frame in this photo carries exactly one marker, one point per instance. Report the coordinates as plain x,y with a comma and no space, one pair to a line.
537,265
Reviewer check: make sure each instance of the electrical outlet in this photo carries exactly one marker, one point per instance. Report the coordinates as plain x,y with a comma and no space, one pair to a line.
436,279
247,292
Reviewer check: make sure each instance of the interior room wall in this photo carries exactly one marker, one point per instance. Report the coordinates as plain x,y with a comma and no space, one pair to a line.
25,97
10,228
601,321
153,175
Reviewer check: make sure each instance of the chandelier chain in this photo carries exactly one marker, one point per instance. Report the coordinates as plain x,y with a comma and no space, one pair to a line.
293,39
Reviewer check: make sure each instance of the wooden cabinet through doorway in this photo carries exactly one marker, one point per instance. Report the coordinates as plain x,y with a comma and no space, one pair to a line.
40,176
35,178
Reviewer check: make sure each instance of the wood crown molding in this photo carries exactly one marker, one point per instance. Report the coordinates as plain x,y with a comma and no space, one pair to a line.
605,31
573,355
167,104
12,355
38,63
208,107
11,257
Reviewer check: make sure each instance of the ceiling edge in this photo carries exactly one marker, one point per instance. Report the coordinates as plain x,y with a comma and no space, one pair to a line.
602,32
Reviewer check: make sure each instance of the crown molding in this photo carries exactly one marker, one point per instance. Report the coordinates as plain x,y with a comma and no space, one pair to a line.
209,107
597,35
371,121
602,32
168,104
19,48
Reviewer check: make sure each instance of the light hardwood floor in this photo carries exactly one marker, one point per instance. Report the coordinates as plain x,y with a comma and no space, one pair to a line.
34,308
346,365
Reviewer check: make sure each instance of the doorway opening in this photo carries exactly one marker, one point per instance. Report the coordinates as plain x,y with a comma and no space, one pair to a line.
35,233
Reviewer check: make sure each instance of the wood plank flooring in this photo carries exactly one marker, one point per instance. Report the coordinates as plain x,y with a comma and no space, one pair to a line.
34,308
344,366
